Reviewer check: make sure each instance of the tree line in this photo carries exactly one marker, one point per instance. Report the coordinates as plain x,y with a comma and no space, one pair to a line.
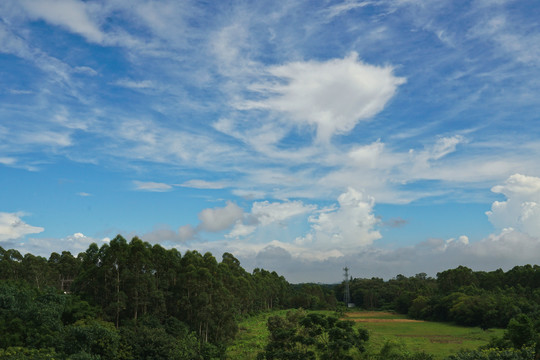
134,300
460,295
493,299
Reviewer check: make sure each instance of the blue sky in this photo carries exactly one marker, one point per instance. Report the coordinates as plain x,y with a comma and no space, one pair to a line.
392,136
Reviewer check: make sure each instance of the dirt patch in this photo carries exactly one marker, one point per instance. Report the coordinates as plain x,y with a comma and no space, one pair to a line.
387,320
376,317
446,341
368,314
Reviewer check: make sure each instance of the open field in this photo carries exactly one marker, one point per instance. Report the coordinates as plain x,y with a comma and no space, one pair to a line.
439,339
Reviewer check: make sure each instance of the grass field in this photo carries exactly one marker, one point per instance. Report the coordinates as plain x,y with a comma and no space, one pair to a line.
439,339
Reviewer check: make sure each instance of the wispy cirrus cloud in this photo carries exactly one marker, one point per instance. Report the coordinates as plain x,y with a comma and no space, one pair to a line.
133,84
203,184
151,186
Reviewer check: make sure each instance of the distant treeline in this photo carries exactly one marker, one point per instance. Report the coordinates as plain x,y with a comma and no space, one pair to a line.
460,295
134,300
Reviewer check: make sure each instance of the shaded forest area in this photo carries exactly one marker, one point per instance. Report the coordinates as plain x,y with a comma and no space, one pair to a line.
134,300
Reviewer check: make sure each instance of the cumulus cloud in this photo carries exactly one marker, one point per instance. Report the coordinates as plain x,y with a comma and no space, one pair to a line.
186,232
521,209
367,156
213,220
219,219
504,250
333,95
164,235
350,226
332,232
345,234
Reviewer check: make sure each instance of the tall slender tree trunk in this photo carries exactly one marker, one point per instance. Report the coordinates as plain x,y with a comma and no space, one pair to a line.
117,297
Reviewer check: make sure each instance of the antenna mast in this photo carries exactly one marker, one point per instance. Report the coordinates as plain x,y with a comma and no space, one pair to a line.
347,294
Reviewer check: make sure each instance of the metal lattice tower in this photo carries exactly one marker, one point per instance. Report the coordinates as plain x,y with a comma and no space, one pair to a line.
347,294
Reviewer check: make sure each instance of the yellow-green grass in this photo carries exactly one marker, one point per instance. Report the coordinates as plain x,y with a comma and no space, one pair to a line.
252,336
438,339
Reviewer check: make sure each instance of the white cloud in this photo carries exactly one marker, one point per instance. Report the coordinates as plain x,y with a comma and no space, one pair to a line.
132,84
334,231
186,232
202,184
241,230
219,219
12,43
151,141
265,213
521,209
368,156
8,160
20,92
333,96
339,9
85,70
75,243
73,15
151,186
84,194
268,213
350,226
48,138
249,194
442,147
301,262
344,234
164,235
517,39
12,227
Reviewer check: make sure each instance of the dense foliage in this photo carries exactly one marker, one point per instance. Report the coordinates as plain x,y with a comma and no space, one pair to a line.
132,300
312,336
509,300
460,295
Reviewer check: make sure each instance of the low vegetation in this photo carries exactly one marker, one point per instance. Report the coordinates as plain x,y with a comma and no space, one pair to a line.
388,332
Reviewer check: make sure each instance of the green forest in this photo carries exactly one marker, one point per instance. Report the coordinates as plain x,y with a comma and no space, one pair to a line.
134,300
